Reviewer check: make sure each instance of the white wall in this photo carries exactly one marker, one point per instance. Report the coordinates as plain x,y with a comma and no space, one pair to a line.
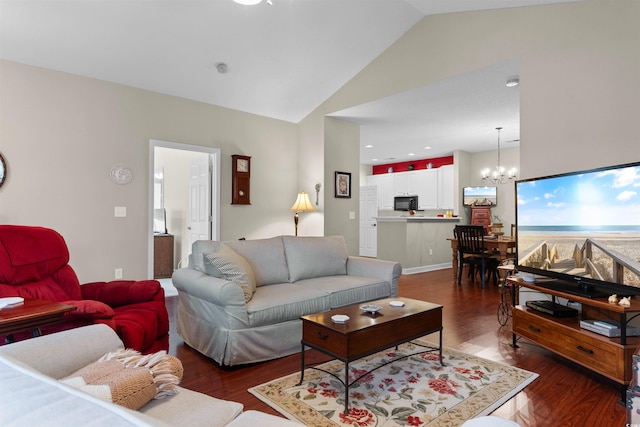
61,134
579,68
341,144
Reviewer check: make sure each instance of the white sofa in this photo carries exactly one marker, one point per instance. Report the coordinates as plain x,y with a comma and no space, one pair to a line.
31,395
294,276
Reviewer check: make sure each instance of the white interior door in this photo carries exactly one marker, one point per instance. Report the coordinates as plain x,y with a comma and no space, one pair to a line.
200,216
368,222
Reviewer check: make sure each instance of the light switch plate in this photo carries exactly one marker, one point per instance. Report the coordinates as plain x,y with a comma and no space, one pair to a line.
352,215
120,211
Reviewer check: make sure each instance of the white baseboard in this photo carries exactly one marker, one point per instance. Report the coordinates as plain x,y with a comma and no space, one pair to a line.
425,268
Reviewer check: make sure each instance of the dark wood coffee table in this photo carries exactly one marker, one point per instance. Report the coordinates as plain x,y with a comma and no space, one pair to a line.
31,315
364,333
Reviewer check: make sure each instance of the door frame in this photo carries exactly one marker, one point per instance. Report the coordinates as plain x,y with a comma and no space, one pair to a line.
215,189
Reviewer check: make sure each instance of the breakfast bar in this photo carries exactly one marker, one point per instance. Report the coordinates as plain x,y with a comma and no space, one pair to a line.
417,242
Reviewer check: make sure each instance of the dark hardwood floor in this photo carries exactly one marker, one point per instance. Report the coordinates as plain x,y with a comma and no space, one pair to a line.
564,394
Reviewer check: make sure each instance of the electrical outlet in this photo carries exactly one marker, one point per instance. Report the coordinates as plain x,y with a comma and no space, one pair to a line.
118,273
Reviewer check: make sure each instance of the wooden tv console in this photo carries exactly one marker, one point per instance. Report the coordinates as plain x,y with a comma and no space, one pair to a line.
610,357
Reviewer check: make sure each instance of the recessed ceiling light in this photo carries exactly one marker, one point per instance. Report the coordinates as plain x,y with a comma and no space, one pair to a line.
374,160
411,154
368,146
513,82
247,2
427,148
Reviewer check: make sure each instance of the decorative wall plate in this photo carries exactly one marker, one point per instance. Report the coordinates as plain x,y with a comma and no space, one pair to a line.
3,170
121,174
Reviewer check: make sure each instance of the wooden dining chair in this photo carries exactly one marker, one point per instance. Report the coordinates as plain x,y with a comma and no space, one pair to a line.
471,251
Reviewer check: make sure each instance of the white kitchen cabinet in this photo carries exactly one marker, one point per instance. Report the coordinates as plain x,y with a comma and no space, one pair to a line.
400,183
434,187
386,189
446,190
426,184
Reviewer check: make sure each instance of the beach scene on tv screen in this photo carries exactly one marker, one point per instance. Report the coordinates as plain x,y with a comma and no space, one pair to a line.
479,196
585,224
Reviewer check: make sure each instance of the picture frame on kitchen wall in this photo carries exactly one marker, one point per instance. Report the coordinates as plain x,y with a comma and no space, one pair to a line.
343,185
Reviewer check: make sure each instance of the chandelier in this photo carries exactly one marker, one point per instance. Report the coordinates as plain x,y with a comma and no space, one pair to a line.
500,174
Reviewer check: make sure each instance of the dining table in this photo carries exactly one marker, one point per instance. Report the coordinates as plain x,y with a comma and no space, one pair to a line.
502,245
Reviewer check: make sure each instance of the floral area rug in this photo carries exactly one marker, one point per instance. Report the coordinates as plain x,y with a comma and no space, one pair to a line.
412,391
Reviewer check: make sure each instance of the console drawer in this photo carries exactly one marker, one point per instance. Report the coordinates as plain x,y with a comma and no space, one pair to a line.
325,338
593,352
482,214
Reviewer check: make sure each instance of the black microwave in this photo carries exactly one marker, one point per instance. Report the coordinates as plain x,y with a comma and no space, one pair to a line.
405,203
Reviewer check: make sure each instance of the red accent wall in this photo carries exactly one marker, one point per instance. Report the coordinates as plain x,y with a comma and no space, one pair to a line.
417,164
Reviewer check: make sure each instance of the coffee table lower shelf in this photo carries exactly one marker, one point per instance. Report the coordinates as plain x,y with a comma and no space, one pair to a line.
365,333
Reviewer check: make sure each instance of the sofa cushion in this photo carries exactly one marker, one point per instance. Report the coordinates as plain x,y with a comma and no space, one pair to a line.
127,378
309,257
229,265
193,409
346,290
38,400
266,257
283,302
198,249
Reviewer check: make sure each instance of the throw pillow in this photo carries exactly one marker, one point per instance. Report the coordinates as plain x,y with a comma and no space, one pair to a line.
128,378
266,257
231,266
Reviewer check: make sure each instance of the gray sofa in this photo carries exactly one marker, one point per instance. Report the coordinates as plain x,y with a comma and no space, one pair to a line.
31,394
294,276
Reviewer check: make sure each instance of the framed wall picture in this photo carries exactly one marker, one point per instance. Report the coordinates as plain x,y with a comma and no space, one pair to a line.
343,185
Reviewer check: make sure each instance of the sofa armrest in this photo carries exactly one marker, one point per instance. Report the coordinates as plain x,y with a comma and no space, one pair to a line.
60,354
123,292
211,289
376,268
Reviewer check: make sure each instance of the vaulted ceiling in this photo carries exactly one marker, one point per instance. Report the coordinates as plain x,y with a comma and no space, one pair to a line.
282,60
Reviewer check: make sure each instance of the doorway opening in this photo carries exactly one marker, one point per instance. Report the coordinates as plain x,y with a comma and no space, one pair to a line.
184,202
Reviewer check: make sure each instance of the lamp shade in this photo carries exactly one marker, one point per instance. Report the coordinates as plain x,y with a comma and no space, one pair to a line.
302,203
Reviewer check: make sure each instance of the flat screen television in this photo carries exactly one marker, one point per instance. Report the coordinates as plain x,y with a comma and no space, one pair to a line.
579,232
480,196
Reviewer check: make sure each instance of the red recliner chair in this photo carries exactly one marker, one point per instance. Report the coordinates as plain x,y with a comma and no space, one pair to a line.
34,265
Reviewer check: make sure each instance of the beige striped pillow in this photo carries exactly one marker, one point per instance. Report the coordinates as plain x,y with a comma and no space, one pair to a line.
231,266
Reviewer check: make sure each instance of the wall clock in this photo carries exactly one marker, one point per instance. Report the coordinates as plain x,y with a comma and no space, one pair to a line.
240,180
